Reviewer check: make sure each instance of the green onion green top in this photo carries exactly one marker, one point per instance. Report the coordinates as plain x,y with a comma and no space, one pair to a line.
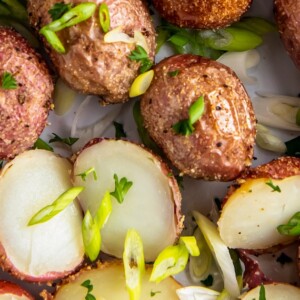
8,82
104,17
292,227
196,110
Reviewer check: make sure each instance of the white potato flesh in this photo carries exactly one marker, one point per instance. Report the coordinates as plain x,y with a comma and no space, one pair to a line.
250,216
109,284
30,182
148,206
274,291
13,297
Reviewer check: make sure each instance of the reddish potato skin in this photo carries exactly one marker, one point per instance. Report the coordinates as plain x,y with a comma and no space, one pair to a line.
287,18
91,66
24,110
11,288
208,14
222,144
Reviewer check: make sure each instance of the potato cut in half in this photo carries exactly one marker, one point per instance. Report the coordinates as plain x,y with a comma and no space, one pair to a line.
108,282
45,251
151,205
11,291
267,197
274,291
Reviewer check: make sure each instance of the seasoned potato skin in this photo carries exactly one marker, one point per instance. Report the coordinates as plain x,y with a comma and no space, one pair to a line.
7,287
287,16
208,14
24,110
222,144
91,66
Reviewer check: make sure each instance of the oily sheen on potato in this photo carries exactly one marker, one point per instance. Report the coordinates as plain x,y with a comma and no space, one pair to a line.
267,197
44,251
108,282
221,146
91,65
151,206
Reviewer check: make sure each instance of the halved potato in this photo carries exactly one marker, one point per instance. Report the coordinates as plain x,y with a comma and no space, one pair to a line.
44,251
9,290
151,206
108,282
267,197
274,291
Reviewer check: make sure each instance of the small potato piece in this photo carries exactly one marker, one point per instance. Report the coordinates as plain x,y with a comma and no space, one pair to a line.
253,211
209,14
287,16
46,251
151,206
274,291
222,144
108,282
9,290
90,65
23,110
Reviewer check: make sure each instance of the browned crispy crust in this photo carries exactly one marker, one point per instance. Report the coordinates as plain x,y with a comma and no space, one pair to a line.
91,66
287,14
7,287
206,14
24,110
222,144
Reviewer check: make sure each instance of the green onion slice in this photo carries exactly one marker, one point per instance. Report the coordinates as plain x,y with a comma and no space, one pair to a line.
172,260
134,263
49,211
91,236
53,40
292,227
104,211
104,17
190,243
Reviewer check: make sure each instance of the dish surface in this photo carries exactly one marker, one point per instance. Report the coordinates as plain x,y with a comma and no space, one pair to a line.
275,74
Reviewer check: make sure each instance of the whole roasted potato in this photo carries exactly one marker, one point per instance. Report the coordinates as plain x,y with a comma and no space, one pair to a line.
221,145
91,65
287,16
211,14
264,198
25,94
9,290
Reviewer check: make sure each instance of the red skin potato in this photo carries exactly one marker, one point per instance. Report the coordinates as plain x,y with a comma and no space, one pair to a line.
7,287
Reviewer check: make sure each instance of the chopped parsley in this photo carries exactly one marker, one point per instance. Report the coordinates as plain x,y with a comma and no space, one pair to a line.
121,188
84,174
41,144
8,82
59,9
69,141
152,293
196,110
139,54
275,188
120,133
87,284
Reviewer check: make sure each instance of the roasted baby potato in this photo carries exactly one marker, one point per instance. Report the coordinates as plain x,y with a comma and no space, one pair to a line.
265,197
91,65
9,290
221,145
25,94
210,14
287,16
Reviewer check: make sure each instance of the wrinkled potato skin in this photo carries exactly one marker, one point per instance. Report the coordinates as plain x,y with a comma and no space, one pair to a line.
222,144
287,16
91,66
207,14
24,110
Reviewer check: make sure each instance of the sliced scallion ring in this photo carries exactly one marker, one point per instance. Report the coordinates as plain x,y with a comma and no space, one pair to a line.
134,263
104,17
49,211
53,40
104,210
141,84
190,243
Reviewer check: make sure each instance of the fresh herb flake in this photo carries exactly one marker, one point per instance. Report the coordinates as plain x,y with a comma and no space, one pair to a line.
196,110
69,141
121,188
275,188
292,227
41,144
139,54
120,133
89,171
8,82
173,73
87,284
208,281
153,293
58,9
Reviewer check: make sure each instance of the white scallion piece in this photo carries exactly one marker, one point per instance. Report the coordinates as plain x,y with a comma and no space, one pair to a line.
197,292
